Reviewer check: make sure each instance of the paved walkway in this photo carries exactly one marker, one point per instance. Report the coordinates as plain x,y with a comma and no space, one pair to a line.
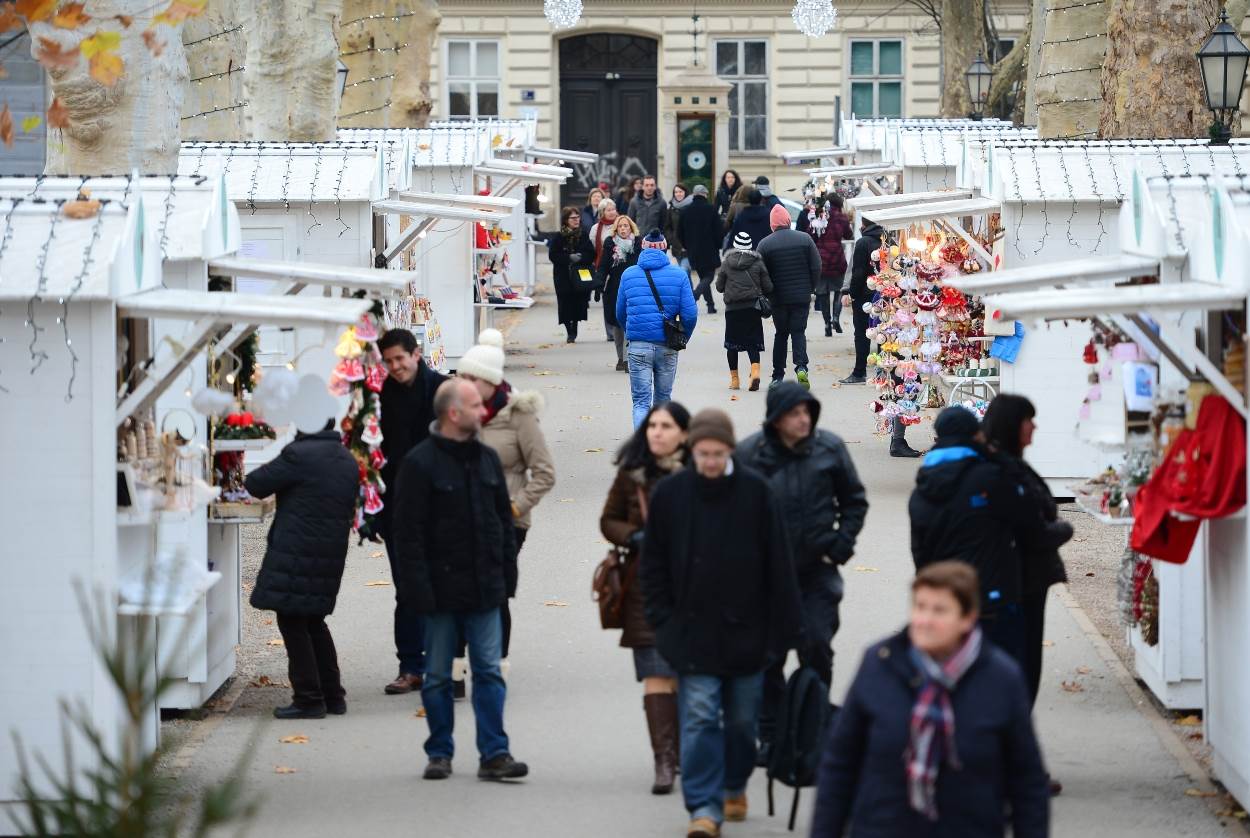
574,712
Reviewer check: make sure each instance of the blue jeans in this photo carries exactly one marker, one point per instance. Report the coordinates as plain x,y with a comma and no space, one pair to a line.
484,634
716,757
652,367
409,637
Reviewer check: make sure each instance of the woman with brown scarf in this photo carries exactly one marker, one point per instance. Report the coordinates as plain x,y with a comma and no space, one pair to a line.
571,253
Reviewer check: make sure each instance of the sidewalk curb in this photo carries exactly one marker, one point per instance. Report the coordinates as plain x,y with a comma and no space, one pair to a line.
1145,706
180,759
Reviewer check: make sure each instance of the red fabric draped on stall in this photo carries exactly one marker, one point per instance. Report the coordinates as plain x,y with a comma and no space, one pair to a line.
1203,476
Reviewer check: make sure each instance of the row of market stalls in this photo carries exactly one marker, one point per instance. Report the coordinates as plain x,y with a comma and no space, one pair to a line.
1105,281
160,334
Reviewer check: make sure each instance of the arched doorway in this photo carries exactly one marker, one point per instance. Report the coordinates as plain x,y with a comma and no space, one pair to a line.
608,106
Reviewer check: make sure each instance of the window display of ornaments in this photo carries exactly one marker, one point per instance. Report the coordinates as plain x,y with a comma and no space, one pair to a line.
562,14
242,426
814,17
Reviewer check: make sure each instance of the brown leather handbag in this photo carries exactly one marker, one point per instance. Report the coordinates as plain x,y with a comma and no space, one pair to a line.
611,580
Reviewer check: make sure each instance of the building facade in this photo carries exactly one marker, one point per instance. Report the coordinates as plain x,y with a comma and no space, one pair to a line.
599,86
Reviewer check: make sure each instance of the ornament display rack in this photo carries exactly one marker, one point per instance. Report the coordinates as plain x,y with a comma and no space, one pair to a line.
1194,223
76,274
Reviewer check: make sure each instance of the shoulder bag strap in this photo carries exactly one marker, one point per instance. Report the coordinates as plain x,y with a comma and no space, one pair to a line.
642,503
655,292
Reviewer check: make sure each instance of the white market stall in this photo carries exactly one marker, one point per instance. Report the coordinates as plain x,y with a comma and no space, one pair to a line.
77,274
868,138
931,157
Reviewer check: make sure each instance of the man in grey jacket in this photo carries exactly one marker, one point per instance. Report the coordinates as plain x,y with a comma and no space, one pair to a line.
794,266
647,208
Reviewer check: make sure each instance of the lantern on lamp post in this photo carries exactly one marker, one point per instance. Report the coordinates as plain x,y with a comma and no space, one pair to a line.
1222,61
978,76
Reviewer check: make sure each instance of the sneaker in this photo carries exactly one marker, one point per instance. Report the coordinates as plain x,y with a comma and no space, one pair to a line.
295,711
804,380
502,767
407,682
736,808
854,379
622,366
439,768
703,828
776,382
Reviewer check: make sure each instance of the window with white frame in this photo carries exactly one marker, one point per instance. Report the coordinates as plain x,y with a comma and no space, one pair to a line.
744,64
472,79
877,78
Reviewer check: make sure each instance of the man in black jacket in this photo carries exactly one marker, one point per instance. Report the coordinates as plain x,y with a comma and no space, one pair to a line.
793,264
967,506
407,411
823,506
316,481
699,229
457,563
862,267
724,603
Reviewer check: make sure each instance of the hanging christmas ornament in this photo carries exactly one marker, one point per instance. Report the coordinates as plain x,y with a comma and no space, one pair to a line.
814,17
562,13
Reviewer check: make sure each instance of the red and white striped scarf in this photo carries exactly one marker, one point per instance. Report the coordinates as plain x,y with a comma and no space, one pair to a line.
931,714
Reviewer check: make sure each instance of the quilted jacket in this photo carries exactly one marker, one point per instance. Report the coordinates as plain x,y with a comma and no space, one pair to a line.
635,305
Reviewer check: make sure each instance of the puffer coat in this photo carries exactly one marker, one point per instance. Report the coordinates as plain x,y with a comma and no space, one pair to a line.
636,310
317,481
742,279
515,435
793,264
623,517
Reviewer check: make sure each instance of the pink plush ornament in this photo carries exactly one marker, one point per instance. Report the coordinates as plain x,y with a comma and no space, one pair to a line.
373,501
375,378
366,329
338,385
351,369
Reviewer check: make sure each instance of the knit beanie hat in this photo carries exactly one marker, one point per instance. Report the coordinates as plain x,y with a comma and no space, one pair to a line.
956,423
711,423
742,241
779,217
700,189
655,239
485,361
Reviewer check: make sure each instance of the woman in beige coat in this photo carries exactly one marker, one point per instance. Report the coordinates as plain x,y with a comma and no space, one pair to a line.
511,428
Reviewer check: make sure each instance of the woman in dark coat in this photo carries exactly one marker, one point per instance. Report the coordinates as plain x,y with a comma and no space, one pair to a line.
935,738
829,230
657,449
570,253
620,251
316,480
1008,427
729,183
699,229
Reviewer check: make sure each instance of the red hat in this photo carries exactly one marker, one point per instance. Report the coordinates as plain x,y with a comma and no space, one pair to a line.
779,217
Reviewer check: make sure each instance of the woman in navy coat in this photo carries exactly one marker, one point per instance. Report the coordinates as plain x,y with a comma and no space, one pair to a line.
968,766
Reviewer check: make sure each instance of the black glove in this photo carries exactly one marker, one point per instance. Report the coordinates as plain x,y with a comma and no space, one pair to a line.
575,259
597,295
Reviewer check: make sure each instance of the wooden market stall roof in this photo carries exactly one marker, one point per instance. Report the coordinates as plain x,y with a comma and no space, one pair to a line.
191,219
816,153
1076,303
861,171
490,203
528,176
378,281
903,216
862,203
290,173
1073,272
561,155
225,307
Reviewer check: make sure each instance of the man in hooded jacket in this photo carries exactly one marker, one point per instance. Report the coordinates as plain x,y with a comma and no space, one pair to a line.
823,507
862,267
968,506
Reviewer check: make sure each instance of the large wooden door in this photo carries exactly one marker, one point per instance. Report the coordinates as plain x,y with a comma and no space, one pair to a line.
608,106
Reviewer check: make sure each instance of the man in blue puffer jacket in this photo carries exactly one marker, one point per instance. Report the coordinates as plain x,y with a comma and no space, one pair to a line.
652,365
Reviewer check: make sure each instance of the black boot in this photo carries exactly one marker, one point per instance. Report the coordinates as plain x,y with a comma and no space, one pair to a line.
661,711
297,711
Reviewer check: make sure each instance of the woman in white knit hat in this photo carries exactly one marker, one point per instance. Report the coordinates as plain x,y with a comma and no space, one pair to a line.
511,428
743,280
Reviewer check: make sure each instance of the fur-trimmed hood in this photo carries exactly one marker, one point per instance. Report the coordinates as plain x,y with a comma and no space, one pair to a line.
525,401
663,466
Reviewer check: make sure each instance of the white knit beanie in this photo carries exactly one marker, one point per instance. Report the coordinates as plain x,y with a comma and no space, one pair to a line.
485,361
742,241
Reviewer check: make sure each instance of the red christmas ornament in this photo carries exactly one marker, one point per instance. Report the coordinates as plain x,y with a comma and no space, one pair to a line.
1091,353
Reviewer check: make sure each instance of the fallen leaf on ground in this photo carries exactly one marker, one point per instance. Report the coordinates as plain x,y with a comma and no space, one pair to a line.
377,554
594,450
734,398
587,418
1189,721
864,569
1071,687
266,681
566,500
555,603
275,641
1239,814
1201,793
1048,643
378,583
542,346
420,714
544,372
297,739
1196,737
1091,573
269,622
284,769
1083,670
6,127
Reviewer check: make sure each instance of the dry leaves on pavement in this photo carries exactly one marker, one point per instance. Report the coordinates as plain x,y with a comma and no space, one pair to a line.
377,554
420,714
275,641
377,583
1083,670
1189,721
555,603
1048,643
594,450
284,769
864,569
296,739
1201,793
1071,687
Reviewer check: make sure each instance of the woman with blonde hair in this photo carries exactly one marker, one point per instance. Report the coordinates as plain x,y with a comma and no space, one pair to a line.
620,250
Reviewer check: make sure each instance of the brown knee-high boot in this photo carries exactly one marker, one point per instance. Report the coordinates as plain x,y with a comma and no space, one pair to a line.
661,711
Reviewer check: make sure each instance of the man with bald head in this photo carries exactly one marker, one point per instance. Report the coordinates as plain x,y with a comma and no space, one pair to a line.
457,565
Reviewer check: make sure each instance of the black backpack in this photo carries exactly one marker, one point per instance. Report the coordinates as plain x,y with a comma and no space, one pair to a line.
802,725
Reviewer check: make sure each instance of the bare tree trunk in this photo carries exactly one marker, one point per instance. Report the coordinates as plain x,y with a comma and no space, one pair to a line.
290,84
410,97
1012,73
132,124
963,38
1068,84
1151,86
216,48
1037,34
1237,10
